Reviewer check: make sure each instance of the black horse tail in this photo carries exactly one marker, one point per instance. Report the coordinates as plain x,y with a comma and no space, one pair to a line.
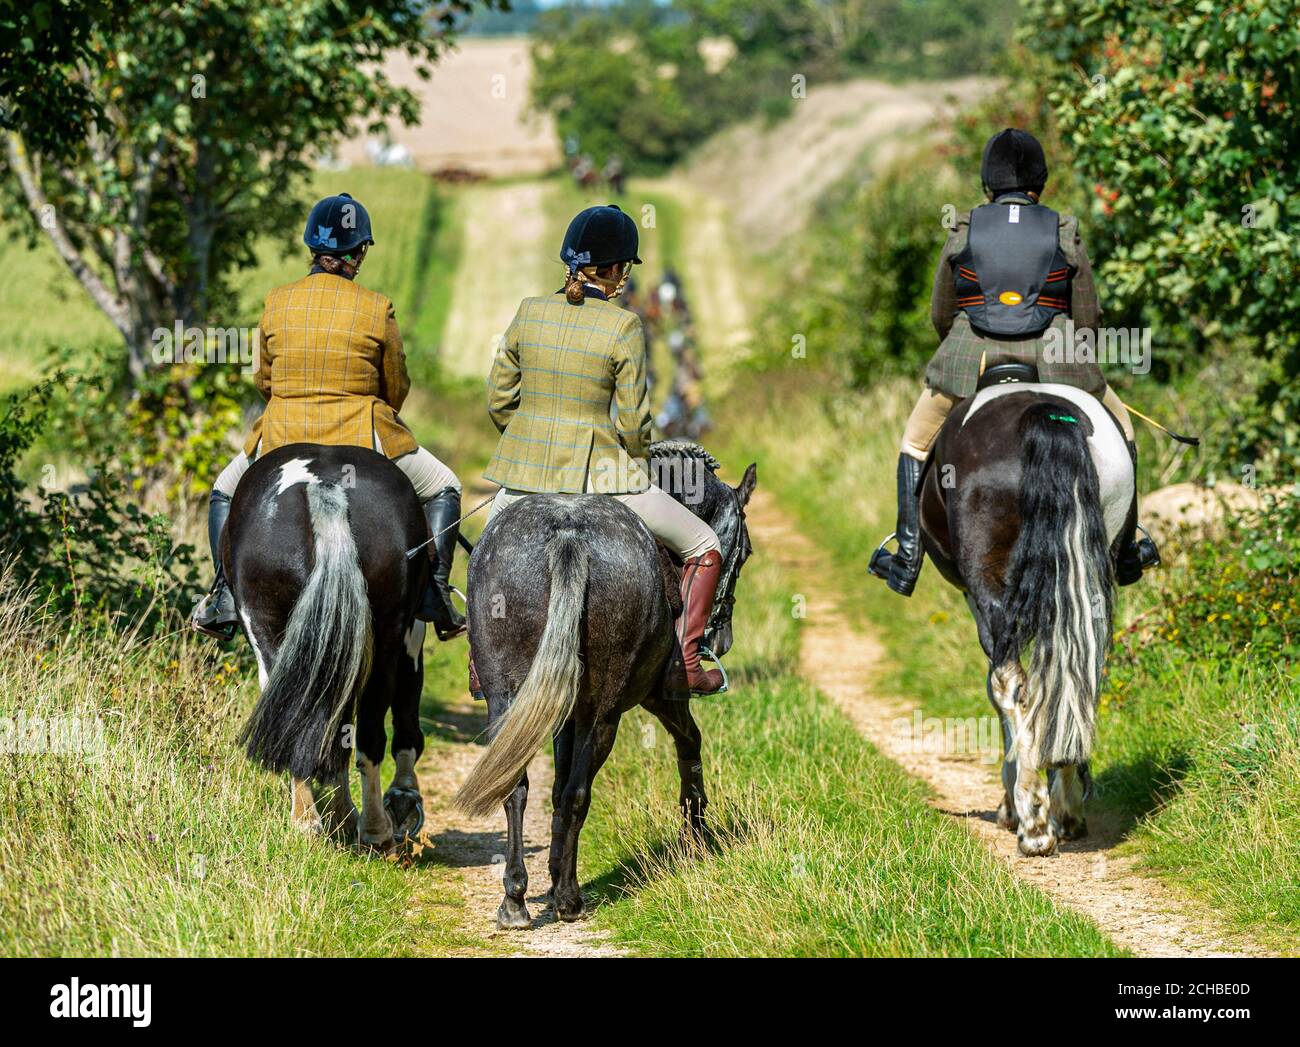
324,660
1059,593
550,689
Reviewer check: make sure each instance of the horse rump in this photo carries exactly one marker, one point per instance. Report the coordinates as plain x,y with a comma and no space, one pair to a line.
549,691
323,662
1059,594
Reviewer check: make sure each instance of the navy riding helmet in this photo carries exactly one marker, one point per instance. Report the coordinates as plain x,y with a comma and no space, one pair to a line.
337,225
1013,162
600,236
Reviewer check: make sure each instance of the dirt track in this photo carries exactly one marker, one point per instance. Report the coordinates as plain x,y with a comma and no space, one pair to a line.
477,846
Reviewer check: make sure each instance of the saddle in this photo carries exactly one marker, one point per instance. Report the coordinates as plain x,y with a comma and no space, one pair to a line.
1006,373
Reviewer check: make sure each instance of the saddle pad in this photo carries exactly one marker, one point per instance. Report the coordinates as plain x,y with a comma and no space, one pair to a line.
1107,445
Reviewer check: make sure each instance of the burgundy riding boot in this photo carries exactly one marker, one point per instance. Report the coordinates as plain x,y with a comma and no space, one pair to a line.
699,585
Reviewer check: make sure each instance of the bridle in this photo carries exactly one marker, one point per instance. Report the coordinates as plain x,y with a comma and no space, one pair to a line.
724,600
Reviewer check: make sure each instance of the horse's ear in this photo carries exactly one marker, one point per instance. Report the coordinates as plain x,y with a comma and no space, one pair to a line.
747,483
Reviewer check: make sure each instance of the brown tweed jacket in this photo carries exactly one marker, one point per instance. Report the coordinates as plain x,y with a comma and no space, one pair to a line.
955,367
568,394
332,368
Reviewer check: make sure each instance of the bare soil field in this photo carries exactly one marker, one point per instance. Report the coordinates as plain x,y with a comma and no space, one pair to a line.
475,113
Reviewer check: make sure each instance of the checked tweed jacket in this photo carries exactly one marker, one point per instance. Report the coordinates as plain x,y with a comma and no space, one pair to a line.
332,368
568,394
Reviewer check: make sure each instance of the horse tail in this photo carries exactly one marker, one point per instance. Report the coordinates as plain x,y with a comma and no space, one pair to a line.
1059,593
550,689
324,659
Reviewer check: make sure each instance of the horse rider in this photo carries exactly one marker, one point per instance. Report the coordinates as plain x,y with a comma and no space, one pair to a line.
568,394
333,371
1012,241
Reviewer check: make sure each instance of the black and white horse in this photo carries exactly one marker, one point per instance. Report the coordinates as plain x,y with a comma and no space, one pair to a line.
571,610
1022,507
315,551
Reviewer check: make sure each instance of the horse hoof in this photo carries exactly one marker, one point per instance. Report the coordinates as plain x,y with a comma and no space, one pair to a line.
405,808
309,826
569,911
513,916
1071,828
1037,846
1007,818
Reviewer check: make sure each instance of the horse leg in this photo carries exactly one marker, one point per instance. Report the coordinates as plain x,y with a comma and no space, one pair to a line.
1065,785
376,826
512,914
592,748
676,717
562,746
403,802
302,807
1024,782
340,811
1002,696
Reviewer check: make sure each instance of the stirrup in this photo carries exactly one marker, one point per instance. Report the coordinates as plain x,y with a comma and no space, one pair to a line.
1155,551
708,655
880,551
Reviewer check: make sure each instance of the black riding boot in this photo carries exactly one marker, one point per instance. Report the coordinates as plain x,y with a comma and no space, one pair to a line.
1135,554
215,614
901,569
442,512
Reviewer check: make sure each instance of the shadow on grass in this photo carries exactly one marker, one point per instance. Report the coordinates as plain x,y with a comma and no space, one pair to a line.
453,725
667,852
1139,786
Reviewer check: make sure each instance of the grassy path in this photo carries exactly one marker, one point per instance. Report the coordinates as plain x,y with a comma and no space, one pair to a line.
1135,911
502,262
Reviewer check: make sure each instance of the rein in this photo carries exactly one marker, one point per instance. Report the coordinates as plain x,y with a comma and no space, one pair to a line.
725,598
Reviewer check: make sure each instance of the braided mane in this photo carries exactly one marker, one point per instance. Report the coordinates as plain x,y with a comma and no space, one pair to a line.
683,449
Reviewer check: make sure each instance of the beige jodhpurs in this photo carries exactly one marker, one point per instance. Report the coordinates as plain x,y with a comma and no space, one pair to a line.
427,475
668,520
932,408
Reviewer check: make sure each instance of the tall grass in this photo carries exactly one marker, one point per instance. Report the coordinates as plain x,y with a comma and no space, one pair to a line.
162,839
1196,753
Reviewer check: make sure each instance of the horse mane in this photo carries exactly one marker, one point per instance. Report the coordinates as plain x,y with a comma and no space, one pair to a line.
674,448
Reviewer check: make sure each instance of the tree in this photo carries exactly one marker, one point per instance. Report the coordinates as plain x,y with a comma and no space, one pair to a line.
1183,123
196,119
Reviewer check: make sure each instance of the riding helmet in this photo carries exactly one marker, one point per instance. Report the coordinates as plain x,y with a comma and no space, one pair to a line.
1013,160
600,236
337,225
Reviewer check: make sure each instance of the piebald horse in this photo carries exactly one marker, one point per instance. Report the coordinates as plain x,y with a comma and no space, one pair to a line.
1022,506
571,608
315,551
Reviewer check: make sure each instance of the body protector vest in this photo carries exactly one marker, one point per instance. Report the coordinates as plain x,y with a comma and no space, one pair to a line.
1012,278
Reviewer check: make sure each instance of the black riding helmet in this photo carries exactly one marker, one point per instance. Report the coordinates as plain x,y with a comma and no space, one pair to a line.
337,225
599,236
1013,162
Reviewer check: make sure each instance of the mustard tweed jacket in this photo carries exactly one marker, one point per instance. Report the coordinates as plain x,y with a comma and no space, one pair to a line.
331,368
556,374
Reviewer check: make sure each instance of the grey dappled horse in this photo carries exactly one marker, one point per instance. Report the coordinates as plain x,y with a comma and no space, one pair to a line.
571,611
